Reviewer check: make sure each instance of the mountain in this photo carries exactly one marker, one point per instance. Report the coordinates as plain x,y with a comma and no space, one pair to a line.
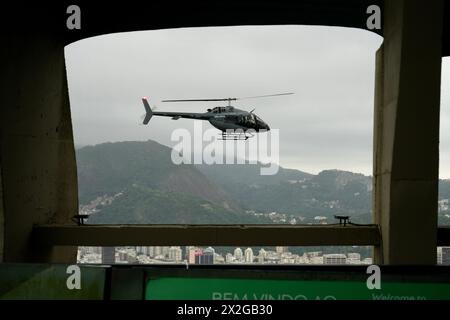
233,175
444,189
298,194
136,182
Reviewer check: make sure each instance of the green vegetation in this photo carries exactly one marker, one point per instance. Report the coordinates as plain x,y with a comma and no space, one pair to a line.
154,190
143,205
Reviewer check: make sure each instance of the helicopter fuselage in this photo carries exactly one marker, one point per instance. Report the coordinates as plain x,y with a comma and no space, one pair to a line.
222,118
230,118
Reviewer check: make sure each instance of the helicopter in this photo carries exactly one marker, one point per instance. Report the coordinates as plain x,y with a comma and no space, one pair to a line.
235,124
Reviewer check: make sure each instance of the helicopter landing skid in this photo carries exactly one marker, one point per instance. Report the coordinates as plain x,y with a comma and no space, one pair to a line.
235,136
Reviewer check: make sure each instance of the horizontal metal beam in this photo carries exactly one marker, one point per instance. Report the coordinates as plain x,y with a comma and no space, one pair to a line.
207,235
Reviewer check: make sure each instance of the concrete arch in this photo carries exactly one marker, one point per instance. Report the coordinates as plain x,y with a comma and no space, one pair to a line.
37,158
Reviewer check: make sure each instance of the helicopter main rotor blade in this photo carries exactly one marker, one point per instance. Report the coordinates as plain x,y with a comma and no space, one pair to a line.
267,95
228,99
190,100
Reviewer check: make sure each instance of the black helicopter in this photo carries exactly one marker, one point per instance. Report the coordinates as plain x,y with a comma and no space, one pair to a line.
235,124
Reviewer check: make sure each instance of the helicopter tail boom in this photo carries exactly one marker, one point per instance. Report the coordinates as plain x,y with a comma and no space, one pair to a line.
148,111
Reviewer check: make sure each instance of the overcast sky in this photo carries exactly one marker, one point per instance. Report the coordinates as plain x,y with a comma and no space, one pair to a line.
327,124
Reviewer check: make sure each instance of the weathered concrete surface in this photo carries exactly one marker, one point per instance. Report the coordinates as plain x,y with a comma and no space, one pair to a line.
406,132
207,235
37,149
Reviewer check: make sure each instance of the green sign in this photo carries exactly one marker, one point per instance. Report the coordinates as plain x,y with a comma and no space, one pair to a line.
167,288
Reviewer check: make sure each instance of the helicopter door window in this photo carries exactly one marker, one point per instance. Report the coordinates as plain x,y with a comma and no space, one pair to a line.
231,119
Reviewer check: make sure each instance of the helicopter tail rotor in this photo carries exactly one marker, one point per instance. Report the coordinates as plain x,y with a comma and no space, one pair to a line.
148,111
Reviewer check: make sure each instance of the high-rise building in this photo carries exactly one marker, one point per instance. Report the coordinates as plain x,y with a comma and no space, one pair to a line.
157,251
97,250
165,251
262,255
186,252
108,255
446,256
354,258
198,257
218,258
335,258
175,254
439,255
249,255
204,256
238,254
281,249
262,252
192,254
208,256
142,250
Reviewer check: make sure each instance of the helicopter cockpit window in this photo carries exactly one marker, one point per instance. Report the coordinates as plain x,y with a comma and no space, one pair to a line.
248,119
219,110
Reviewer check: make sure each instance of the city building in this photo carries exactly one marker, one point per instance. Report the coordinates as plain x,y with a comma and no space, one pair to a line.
229,258
108,255
446,256
175,254
261,255
208,256
334,258
157,251
192,254
165,251
249,255
281,249
218,259
238,255
439,255
354,258
151,251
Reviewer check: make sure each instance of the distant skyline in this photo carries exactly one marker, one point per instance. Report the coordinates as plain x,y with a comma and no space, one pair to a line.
327,124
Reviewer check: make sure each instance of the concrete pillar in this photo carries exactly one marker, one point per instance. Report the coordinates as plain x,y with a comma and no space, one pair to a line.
406,131
36,145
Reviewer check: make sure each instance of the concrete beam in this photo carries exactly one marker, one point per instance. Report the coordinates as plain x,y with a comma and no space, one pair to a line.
206,235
